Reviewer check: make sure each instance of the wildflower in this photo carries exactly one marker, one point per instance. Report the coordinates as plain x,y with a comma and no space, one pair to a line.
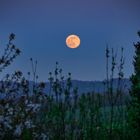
56,63
31,59
10,111
18,51
42,85
1,118
29,124
12,36
18,130
28,73
43,136
18,73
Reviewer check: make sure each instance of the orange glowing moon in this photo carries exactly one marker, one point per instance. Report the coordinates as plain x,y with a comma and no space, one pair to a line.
73,41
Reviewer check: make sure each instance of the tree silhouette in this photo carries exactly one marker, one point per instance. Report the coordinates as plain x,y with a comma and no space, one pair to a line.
134,110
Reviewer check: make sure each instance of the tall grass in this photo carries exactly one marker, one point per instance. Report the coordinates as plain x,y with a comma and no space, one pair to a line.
27,112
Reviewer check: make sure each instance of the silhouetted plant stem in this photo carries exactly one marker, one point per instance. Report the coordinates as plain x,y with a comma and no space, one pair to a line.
107,68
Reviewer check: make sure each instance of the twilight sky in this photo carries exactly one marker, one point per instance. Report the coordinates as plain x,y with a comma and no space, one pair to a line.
41,27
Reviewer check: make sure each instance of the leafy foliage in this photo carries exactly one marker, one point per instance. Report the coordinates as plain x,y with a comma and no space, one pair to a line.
27,112
134,111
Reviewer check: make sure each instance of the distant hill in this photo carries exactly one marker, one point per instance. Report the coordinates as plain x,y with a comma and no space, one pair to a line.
97,86
90,86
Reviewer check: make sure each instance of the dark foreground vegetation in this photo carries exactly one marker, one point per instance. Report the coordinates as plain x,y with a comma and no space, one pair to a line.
28,113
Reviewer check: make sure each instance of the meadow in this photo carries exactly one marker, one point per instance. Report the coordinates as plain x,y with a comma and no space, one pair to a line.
28,113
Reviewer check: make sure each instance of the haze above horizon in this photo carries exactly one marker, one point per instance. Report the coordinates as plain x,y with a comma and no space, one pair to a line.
41,28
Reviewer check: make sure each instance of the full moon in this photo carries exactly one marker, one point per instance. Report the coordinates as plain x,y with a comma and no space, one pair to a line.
73,41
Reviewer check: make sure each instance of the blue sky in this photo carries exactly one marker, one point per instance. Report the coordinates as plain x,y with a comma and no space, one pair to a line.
41,27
